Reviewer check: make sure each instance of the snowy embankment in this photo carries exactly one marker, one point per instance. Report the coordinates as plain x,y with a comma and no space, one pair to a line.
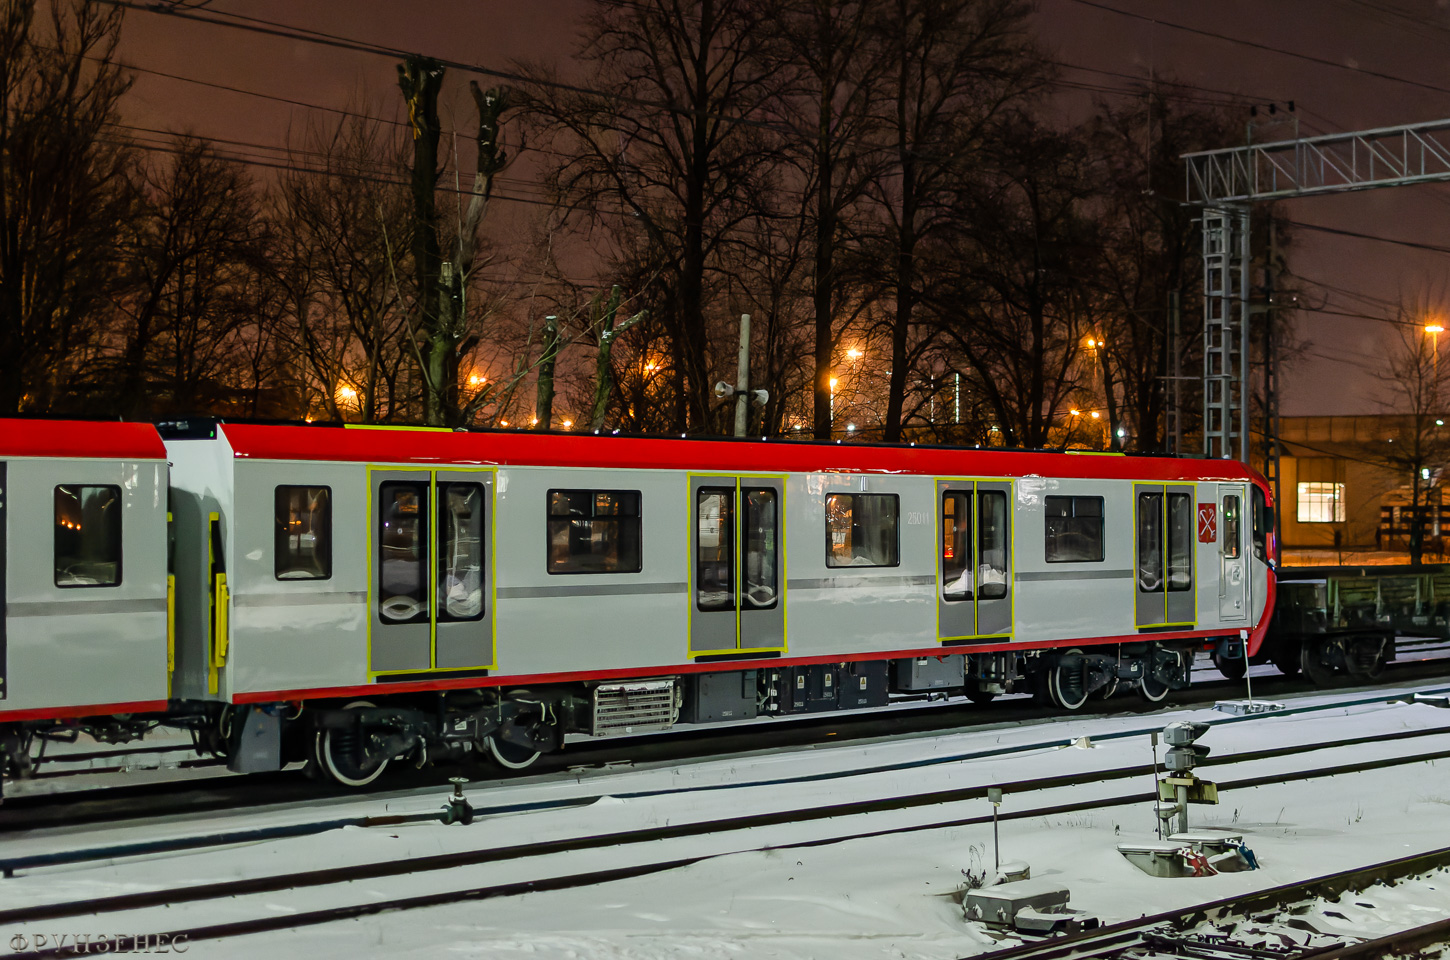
891,895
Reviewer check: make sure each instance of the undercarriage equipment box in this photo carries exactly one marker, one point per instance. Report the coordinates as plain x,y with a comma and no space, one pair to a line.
712,697
930,673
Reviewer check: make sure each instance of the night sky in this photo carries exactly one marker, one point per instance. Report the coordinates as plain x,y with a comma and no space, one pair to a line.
1343,274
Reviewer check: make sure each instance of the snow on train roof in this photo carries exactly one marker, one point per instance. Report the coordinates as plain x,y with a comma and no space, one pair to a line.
522,448
80,439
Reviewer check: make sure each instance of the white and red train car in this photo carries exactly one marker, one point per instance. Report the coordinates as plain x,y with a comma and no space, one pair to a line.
348,596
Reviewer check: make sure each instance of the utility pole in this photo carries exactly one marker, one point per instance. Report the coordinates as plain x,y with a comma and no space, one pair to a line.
742,378
1175,356
420,78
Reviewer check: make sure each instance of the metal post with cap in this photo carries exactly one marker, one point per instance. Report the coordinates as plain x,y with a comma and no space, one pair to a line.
994,797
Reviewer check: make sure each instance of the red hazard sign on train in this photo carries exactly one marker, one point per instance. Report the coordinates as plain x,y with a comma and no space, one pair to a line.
1207,523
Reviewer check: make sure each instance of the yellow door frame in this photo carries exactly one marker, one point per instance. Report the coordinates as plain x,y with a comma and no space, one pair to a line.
490,562
973,547
693,533
1162,489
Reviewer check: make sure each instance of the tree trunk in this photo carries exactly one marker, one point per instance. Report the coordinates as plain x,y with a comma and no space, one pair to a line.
420,78
544,405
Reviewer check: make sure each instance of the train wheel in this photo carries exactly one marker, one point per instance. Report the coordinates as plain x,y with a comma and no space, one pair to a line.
1287,662
1314,658
1231,667
1065,682
511,756
1366,659
976,694
1152,689
337,750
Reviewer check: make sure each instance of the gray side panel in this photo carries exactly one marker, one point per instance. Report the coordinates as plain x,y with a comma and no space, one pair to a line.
3,614
709,629
395,646
1149,607
955,618
467,644
1233,572
763,628
994,616
1182,605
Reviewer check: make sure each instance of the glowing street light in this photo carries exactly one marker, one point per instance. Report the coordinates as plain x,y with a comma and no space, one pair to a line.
1095,415
476,380
855,354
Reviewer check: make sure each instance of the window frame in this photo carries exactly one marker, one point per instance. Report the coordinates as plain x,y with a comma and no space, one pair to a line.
441,540
746,512
1102,517
120,536
423,546
593,493
727,530
896,552
278,533
1305,498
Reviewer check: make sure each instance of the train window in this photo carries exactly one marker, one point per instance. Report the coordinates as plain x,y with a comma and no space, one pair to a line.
715,560
1232,545
1150,542
761,529
991,545
594,531
87,536
861,530
956,546
460,551
1074,529
1180,542
403,544
1263,523
302,539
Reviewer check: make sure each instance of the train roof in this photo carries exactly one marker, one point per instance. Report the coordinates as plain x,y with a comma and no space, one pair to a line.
80,439
392,445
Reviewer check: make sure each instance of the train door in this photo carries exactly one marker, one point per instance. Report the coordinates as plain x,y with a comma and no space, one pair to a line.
430,590
1233,581
3,656
974,597
1163,572
737,564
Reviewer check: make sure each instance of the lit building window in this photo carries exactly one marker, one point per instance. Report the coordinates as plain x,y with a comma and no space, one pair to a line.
1321,503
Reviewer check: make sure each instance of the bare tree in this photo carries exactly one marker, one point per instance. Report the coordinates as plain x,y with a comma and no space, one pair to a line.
664,145
1419,395
63,192
955,68
339,215
831,52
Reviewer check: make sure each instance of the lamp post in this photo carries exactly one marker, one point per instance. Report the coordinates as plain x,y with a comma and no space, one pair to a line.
1434,330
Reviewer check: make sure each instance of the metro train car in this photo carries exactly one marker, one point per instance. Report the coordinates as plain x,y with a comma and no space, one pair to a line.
84,590
352,596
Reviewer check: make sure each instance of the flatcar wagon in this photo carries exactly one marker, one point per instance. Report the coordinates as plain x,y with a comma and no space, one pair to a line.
352,596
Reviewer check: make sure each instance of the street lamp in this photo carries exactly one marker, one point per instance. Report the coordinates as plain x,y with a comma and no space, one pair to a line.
1434,330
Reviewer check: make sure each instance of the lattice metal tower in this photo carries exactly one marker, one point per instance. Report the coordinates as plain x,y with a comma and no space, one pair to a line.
1226,274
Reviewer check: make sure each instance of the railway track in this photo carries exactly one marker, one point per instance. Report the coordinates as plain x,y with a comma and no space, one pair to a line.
585,792
1178,933
219,791
236,908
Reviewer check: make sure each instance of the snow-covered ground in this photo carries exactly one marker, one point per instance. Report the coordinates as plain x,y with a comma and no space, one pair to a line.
891,895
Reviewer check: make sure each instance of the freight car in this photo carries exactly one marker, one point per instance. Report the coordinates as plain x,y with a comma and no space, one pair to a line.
350,596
